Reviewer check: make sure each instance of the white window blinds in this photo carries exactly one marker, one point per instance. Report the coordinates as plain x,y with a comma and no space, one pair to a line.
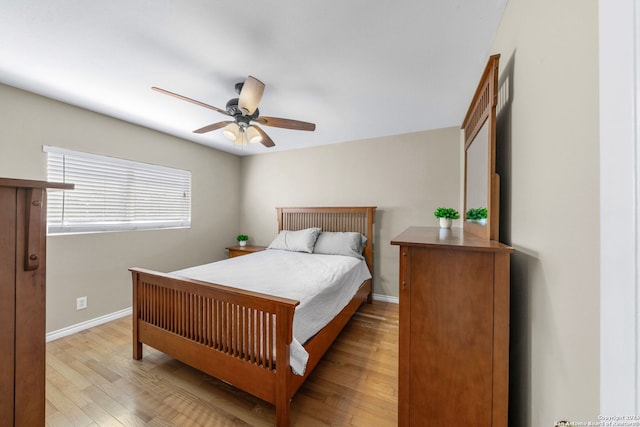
114,194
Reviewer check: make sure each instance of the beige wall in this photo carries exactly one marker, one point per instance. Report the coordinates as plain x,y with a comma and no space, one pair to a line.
405,176
95,265
548,144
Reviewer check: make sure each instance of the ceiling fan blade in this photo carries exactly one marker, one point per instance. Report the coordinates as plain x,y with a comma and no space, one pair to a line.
250,95
266,140
285,123
211,127
193,101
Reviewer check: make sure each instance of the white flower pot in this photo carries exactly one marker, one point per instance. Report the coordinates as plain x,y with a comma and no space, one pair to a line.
482,221
445,222
242,242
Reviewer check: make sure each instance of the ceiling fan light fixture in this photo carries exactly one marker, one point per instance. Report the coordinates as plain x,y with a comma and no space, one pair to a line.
231,131
253,135
250,95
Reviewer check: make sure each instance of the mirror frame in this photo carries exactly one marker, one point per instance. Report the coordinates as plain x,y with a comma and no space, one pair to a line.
483,109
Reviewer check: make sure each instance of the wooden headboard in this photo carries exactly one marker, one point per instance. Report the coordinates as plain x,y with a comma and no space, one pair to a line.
360,219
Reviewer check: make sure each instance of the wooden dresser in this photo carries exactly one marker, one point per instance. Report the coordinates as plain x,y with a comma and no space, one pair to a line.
454,329
23,230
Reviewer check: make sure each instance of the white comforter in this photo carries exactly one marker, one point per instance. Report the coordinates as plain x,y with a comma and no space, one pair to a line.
324,285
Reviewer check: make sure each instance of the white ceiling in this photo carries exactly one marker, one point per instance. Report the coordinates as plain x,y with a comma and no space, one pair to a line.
356,68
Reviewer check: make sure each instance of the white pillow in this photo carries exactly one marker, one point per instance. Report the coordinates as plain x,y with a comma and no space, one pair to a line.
296,241
340,243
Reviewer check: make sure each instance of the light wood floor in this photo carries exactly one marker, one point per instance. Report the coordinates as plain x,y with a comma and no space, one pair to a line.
93,381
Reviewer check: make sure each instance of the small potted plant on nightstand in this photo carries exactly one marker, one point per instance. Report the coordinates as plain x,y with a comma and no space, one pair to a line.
446,216
242,239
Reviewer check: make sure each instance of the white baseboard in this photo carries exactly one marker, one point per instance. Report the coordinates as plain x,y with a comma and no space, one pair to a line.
386,298
54,335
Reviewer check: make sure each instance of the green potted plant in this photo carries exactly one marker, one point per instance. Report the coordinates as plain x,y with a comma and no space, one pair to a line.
477,215
446,216
242,239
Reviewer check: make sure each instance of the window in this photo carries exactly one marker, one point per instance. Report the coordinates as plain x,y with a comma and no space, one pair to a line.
113,194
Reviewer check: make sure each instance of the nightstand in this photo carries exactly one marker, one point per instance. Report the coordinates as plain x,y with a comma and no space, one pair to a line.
235,251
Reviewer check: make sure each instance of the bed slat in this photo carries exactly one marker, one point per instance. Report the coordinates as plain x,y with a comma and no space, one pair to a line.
240,331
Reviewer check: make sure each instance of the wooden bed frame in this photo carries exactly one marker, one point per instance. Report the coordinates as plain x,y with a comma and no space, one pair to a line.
227,332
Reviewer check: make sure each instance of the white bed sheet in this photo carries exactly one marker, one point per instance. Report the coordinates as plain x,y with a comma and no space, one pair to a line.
324,285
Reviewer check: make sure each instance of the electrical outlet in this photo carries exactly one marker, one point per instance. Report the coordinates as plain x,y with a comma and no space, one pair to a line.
81,303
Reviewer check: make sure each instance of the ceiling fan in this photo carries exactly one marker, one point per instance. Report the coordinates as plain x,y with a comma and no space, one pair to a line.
244,112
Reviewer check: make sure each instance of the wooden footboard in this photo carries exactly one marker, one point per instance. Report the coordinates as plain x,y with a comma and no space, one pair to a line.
225,332
229,333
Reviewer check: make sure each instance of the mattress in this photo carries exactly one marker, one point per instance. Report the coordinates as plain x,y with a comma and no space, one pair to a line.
323,284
